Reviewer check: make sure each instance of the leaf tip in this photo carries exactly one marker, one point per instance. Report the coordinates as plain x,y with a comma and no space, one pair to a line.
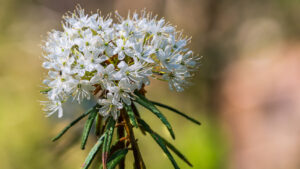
173,135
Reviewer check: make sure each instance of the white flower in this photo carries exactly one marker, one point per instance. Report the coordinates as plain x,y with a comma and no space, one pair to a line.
122,48
168,58
176,78
107,107
107,75
52,107
122,92
143,53
80,89
94,54
133,73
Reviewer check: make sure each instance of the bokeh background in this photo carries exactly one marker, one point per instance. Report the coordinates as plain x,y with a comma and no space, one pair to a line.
246,94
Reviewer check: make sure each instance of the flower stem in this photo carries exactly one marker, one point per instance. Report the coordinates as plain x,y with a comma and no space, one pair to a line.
139,163
121,134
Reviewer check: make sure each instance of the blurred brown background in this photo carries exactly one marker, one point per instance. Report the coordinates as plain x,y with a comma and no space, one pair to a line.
246,94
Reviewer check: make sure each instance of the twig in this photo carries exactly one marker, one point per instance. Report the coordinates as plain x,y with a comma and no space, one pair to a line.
121,134
120,124
139,163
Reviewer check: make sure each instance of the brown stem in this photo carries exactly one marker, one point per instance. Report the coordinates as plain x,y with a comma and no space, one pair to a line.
120,124
123,139
121,134
138,160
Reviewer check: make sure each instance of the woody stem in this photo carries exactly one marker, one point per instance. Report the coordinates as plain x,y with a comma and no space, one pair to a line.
138,160
120,131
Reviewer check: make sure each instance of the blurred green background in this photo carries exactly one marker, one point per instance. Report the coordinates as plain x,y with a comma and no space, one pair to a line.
241,42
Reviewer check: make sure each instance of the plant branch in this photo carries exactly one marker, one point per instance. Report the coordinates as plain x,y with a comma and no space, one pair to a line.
139,163
121,134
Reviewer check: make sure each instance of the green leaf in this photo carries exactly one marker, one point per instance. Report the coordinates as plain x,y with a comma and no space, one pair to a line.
176,111
175,150
45,91
142,100
98,124
159,141
137,114
73,123
131,115
115,158
107,140
87,127
110,130
93,152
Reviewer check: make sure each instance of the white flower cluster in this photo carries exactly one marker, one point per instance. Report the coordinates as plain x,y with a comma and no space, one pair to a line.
94,57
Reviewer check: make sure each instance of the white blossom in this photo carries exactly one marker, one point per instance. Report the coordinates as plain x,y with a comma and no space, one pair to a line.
108,107
122,91
94,53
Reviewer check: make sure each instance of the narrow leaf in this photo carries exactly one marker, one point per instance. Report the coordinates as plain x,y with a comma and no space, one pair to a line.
110,130
115,158
107,140
159,141
73,123
93,152
176,111
137,114
98,124
87,127
142,100
131,115
175,150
